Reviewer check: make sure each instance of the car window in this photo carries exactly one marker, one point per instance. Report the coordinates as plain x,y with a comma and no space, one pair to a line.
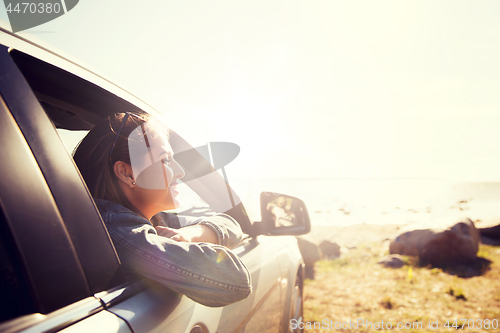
75,104
71,139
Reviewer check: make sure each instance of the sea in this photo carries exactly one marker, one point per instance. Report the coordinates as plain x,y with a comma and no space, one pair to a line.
345,202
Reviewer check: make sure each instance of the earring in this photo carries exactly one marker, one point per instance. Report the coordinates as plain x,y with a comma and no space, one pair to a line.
133,183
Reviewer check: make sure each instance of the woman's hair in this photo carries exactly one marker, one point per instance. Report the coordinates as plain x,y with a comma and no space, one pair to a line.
92,156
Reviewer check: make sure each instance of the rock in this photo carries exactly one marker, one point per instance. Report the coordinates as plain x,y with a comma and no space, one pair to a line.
409,243
490,241
457,245
392,261
491,232
489,228
449,245
310,252
329,249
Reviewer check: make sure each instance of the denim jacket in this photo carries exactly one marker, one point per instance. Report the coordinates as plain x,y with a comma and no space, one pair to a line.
207,273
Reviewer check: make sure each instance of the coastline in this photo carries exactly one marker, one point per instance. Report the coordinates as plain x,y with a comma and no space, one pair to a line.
354,235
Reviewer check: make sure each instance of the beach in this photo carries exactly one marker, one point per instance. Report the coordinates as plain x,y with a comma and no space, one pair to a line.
355,211
354,288
349,202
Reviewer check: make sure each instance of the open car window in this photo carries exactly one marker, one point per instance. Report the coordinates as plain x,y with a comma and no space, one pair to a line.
75,105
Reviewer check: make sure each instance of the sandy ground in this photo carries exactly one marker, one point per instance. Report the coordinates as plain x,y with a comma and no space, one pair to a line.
352,236
355,235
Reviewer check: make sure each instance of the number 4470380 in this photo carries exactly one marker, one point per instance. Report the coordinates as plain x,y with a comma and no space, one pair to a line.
471,323
34,8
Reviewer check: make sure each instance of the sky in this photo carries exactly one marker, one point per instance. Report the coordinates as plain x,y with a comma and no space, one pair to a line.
308,89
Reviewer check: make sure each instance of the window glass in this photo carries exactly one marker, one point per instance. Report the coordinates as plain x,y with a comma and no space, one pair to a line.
71,139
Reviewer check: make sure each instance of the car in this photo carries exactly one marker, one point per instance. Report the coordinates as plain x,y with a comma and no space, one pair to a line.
59,270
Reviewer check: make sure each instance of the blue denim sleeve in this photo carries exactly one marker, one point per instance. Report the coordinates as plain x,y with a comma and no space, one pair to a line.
209,274
228,231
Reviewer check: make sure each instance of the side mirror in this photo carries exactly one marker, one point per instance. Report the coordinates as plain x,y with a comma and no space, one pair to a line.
284,215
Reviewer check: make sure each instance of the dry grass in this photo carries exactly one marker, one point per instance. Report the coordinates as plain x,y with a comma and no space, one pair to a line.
356,287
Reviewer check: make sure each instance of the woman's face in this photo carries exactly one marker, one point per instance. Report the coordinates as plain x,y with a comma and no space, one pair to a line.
156,173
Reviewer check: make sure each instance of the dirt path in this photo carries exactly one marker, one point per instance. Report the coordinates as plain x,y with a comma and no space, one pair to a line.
353,236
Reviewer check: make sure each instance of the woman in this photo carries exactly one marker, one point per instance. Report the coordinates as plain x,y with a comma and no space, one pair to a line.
129,167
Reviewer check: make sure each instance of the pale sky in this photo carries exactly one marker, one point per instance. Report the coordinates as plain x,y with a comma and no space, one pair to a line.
308,88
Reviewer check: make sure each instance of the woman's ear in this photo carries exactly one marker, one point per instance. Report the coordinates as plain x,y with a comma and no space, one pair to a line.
123,172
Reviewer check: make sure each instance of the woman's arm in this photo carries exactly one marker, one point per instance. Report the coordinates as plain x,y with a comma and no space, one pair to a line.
194,233
209,274
219,229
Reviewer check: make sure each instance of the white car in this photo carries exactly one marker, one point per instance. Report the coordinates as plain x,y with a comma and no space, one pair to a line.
58,268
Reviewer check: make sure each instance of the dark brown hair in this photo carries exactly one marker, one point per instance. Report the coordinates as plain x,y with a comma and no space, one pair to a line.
92,156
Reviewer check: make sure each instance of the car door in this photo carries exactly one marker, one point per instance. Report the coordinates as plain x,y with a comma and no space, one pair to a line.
261,255
45,285
145,306
260,312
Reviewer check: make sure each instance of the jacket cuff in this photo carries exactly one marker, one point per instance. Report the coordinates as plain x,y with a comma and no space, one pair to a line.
217,230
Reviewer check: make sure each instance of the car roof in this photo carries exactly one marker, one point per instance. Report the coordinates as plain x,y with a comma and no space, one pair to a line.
27,52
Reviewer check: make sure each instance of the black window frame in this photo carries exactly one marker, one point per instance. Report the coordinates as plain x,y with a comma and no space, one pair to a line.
35,223
62,262
81,217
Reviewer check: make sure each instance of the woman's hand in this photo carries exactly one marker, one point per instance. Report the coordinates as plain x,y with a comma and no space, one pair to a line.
194,233
166,232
